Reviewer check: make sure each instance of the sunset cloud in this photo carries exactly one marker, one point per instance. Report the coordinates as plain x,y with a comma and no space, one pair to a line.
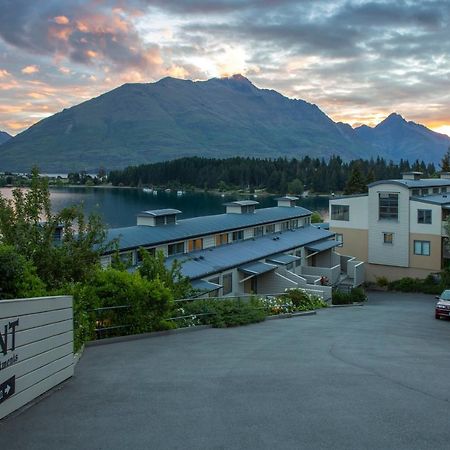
29,70
358,60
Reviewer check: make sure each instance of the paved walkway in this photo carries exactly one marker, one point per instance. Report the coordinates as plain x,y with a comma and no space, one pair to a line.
372,377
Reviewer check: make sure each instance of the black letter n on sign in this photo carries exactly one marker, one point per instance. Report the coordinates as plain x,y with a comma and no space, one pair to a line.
4,341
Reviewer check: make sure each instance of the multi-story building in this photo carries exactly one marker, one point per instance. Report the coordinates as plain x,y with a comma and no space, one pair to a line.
398,228
245,250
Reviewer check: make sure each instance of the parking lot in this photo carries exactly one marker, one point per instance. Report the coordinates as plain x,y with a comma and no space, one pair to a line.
370,377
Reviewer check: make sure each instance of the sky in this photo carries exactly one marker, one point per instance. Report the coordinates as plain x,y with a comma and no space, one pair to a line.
357,60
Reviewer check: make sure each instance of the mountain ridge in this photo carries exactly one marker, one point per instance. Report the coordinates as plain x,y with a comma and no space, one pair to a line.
4,136
222,117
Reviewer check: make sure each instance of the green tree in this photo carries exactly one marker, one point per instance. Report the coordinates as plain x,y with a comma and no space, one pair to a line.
63,246
154,268
316,217
355,184
296,186
445,161
17,276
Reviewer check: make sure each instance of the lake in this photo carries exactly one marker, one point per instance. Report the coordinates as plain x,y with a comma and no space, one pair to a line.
119,206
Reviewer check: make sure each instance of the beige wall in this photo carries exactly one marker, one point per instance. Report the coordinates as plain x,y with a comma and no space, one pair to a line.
432,262
373,271
355,242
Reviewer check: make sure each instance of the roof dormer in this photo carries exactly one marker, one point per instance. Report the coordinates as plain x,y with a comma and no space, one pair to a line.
158,217
288,201
412,175
241,207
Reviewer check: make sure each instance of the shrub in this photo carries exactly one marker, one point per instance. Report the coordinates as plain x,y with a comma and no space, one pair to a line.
382,281
356,295
426,286
303,301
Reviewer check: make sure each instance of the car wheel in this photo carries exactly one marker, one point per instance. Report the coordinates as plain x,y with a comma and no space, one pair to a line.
436,316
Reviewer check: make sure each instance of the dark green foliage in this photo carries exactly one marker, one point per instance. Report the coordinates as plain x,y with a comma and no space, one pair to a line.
356,183
356,295
225,312
18,277
428,285
28,225
153,267
274,175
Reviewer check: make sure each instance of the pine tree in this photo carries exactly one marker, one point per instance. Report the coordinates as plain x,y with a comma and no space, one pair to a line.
355,184
445,161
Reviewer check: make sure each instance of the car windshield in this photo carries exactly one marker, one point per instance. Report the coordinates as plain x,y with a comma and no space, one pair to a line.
446,295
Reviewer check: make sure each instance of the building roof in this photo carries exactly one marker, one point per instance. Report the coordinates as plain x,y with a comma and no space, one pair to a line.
213,260
145,236
257,268
411,184
242,203
205,286
159,212
322,246
283,258
437,199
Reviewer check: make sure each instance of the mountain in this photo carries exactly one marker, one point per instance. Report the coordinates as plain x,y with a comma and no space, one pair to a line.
4,136
220,117
395,138
172,118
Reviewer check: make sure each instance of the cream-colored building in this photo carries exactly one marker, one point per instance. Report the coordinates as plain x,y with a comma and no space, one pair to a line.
397,228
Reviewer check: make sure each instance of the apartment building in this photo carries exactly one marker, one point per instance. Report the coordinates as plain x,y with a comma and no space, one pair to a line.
397,228
245,250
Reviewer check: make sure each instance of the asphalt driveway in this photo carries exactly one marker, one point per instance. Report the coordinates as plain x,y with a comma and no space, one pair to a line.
371,377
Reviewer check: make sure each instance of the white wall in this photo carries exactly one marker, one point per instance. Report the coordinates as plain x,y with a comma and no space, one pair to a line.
37,350
397,253
358,212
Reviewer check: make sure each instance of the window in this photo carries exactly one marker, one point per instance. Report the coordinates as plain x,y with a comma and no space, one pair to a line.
238,235
270,228
435,190
258,231
175,249
160,220
227,282
294,224
285,226
289,266
388,238
424,191
422,248
424,216
388,206
340,212
340,238
444,190
222,239
416,192
195,244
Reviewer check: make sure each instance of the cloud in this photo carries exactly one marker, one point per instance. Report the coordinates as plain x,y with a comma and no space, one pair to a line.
29,70
61,20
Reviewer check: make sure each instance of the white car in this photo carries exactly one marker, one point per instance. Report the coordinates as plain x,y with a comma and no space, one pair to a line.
443,305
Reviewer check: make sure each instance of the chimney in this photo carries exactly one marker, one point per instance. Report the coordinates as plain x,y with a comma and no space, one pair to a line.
288,201
445,175
158,217
241,207
412,175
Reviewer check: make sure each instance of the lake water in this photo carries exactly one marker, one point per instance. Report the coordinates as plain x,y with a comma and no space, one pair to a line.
119,206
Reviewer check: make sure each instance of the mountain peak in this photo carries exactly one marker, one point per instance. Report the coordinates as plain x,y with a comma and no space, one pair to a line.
393,118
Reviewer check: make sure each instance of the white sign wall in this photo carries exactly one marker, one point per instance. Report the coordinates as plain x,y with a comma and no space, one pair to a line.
36,348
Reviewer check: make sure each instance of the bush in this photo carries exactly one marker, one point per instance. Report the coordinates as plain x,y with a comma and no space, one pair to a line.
303,301
356,295
221,313
382,281
426,286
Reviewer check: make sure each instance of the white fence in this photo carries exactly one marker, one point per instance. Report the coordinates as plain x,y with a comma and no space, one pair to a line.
36,348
